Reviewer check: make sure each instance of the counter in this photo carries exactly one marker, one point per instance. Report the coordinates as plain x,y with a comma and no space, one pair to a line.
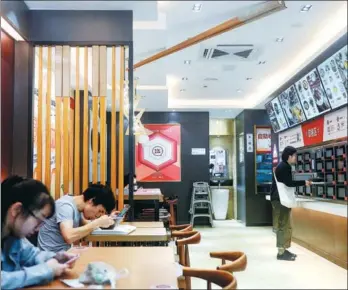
321,226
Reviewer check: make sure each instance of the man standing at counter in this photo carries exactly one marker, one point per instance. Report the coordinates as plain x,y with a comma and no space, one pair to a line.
282,214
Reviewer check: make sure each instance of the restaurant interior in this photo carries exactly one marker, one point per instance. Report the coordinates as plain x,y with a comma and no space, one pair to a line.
183,109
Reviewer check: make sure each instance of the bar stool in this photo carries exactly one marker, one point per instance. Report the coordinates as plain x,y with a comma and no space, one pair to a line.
221,278
184,239
238,259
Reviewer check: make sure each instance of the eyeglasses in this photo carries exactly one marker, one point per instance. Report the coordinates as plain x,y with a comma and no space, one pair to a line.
39,219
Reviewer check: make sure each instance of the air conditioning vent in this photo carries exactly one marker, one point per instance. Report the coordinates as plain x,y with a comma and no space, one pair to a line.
229,52
210,79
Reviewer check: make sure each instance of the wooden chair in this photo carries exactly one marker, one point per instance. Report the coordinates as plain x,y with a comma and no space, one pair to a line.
183,240
221,278
238,259
171,203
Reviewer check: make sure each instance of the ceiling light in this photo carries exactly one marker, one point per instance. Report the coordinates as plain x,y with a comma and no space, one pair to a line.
7,27
306,8
262,62
197,7
182,90
280,39
184,78
187,62
239,91
205,86
249,79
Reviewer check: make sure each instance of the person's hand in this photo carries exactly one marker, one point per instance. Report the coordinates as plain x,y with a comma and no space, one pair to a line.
308,183
115,212
105,221
63,257
57,268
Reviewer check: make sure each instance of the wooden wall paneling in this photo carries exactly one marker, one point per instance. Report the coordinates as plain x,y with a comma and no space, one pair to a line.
121,135
58,93
102,97
113,166
77,187
85,123
39,118
48,119
66,109
95,104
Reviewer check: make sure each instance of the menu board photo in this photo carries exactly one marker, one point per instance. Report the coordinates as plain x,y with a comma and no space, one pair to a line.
312,95
276,115
333,73
291,106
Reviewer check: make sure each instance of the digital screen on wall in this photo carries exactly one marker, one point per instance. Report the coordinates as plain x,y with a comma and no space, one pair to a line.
312,95
291,106
276,115
333,73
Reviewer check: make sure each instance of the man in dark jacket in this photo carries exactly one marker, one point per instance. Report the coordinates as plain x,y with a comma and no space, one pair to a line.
282,214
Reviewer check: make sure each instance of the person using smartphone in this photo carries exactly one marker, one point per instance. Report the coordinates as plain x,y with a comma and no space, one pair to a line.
76,217
282,214
25,204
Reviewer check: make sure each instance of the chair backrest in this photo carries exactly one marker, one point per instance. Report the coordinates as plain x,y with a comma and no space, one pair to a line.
221,278
185,239
238,261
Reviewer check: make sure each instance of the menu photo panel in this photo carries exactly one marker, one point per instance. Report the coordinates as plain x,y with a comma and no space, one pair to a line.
291,106
333,73
276,115
312,95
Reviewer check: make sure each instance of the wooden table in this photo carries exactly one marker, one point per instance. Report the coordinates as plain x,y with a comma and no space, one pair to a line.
145,224
147,266
139,235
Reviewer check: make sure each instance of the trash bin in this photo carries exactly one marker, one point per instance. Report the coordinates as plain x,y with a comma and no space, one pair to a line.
220,203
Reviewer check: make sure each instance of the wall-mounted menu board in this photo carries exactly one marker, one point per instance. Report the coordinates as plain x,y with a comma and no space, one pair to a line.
312,95
276,115
291,106
333,73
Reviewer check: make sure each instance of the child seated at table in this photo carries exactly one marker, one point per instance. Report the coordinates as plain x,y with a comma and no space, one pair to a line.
25,204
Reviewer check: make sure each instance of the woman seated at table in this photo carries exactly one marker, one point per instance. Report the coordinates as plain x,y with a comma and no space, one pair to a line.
25,204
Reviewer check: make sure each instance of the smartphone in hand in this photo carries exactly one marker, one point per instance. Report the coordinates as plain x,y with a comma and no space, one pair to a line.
73,259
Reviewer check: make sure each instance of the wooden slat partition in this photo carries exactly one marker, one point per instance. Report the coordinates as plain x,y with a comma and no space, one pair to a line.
102,97
58,141
77,188
39,119
113,172
95,95
66,109
121,136
85,123
48,120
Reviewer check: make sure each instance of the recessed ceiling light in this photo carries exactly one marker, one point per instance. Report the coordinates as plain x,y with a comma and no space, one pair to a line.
239,91
205,86
280,39
182,90
262,62
197,7
249,79
187,62
306,8
184,78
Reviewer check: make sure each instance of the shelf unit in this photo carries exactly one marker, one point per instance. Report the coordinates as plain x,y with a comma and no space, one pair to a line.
330,163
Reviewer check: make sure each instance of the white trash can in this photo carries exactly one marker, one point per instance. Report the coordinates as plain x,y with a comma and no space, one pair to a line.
220,203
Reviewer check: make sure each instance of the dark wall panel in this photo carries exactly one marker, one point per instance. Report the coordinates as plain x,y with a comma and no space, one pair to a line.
65,26
7,86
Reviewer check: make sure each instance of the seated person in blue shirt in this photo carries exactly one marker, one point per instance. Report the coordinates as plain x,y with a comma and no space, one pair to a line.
25,204
76,217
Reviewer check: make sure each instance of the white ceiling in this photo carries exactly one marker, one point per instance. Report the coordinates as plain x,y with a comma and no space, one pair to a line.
161,24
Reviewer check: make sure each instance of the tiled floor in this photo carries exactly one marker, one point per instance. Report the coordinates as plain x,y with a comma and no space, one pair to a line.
309,271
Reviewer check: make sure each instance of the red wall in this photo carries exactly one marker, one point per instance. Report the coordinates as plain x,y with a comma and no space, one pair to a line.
7,81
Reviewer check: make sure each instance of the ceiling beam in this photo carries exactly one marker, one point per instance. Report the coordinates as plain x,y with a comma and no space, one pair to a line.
255,12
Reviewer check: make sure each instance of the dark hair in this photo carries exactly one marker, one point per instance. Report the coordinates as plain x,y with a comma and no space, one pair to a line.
100,195
287,152
31,193
126,179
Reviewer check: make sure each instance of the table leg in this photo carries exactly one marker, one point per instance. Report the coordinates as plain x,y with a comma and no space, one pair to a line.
156,210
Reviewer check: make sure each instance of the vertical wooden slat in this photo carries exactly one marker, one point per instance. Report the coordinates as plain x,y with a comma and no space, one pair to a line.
66,109
95,95
77,127
102,98
85,123
121,136
58,89
39,119
48,121
113,172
